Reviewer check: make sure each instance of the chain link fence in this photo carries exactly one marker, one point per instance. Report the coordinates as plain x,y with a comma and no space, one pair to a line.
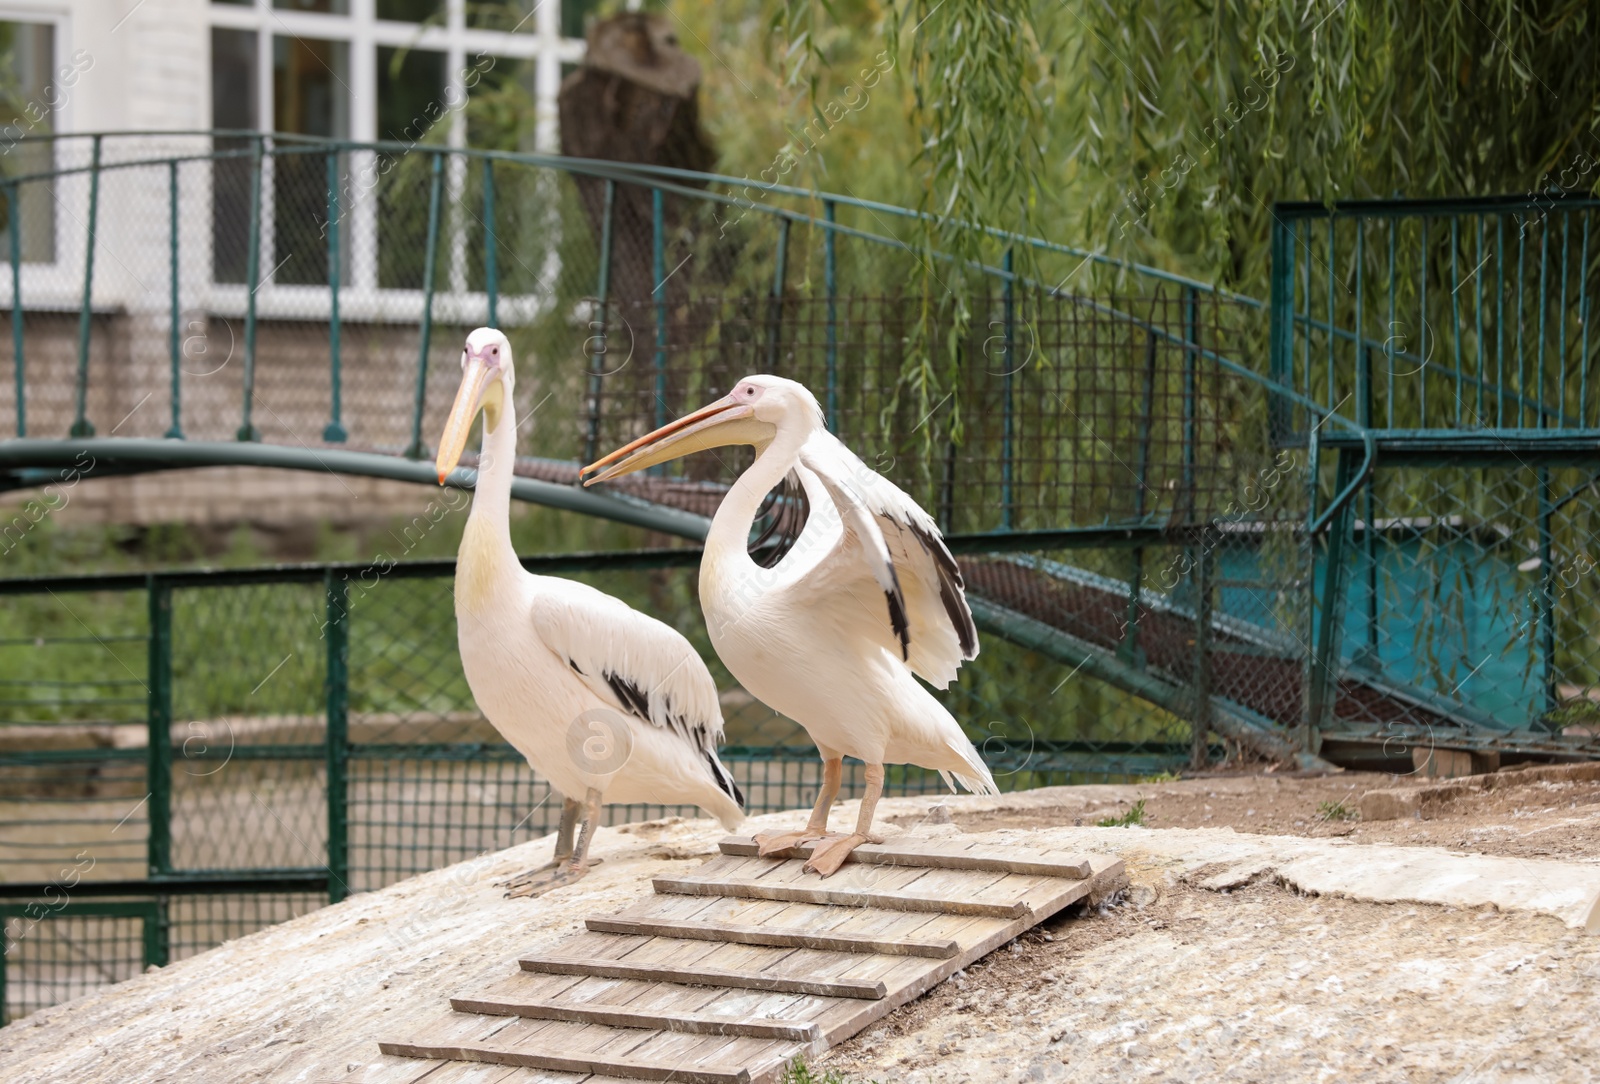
189,756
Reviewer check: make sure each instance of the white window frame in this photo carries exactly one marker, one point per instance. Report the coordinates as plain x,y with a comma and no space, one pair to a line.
360,297
55,284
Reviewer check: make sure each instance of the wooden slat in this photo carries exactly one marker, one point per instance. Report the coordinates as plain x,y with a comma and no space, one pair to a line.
777,938
912,978
732,971
762,1060
611,1065
839,897
697,975
620,1017
934,856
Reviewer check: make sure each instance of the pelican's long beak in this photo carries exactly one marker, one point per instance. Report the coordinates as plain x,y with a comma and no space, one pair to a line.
459,425
719,424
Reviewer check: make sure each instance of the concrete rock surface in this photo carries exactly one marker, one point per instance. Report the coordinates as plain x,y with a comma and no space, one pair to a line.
1231,957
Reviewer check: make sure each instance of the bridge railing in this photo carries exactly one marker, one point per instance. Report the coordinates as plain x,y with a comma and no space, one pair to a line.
1440,315
244,286
1457,333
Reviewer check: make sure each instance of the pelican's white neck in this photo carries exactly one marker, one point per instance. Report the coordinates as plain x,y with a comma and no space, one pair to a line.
730,527
486,549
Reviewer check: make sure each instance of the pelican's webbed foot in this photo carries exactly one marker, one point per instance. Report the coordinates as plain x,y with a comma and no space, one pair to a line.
828,856
551,875
774,843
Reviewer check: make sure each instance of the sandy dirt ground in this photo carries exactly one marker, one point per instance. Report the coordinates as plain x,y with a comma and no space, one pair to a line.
1171,981
1180,984
1536,820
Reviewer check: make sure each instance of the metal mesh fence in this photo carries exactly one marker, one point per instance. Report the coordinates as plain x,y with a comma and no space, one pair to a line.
1469,591
181,795
1465,314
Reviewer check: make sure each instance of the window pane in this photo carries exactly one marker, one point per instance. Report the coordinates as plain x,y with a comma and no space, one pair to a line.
502,103
504,15
574,16
411,110
501,116
233,107
330,7
410,94
28,96
411,11
310,86
310,81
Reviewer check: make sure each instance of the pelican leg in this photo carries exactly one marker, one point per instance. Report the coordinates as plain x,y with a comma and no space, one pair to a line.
570,862
826,858
564,831
533,878
817,827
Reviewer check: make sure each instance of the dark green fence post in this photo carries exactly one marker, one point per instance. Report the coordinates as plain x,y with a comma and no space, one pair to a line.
338,733
157,933
1280,361
1323,692
597,328
1308,552
175,430
1369,536
491,241
1128,651
1191,391
247,431
1200,717
334,432
158,760
775,304
658,266
1007,423
1547,607
418,450
830,278
80,424
14,205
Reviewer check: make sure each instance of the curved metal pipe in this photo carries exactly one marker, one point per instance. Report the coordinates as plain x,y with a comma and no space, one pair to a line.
116,456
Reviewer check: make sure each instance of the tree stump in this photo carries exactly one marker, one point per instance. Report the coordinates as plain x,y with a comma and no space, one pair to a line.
636,100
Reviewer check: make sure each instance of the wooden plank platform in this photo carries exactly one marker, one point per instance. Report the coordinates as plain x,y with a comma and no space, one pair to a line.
727,974
761,935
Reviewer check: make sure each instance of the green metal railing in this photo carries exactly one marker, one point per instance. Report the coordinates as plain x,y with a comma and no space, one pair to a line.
589,267
305,732
1456,332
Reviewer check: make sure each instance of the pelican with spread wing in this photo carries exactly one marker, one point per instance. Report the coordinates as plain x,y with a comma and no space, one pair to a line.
837,632
605,703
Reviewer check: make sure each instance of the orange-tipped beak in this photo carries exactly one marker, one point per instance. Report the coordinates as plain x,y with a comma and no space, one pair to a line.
459,425
713,426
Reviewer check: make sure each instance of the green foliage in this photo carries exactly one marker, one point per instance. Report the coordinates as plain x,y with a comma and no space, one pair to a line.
1133,818
1149,129
1335,811
1421,99
798,1073
1163,777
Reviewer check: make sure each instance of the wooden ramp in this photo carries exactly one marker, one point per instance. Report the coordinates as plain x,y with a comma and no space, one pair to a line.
729,972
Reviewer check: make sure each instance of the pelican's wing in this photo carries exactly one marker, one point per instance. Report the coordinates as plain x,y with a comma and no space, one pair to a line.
636,663
902,546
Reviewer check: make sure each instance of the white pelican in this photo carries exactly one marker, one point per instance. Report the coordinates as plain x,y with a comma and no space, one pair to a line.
603,701
832,635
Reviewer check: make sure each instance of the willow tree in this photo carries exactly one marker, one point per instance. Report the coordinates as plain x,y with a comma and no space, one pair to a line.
1064,119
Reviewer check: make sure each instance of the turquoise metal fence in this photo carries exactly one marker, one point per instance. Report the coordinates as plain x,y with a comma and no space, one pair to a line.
1456,332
